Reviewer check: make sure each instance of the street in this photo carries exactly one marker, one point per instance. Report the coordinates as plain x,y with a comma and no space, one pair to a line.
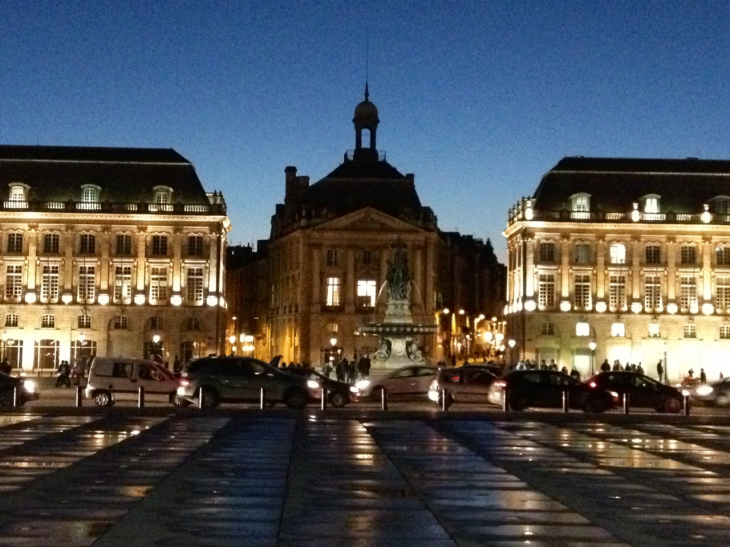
161,476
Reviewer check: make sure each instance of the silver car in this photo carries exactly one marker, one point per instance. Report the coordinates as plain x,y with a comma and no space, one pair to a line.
410,380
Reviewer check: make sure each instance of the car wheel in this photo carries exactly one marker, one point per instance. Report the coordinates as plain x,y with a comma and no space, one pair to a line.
672,405
103,398
338,399
517,403
295,398
211,399
595,406
179,401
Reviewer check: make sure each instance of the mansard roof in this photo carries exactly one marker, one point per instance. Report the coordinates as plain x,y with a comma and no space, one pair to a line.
615,184
56,173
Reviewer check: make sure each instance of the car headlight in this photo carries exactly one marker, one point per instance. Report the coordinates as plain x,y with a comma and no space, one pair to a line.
704,390
614,394
362,384
312,384
30,386
433,395
685,392
355,389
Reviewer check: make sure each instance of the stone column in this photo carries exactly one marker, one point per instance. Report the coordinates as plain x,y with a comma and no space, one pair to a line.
68,263
635,269
671,270
213,263
104,274
316,280
141,262
530,267
565,268
350,283
176,261
707,269
32,258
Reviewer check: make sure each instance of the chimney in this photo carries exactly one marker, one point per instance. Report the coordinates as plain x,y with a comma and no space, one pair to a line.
290,192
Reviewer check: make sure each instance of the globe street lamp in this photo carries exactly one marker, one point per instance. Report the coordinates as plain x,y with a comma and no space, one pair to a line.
592,345
511,343
232,340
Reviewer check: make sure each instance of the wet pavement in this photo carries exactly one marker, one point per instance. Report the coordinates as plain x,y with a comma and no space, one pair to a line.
310,478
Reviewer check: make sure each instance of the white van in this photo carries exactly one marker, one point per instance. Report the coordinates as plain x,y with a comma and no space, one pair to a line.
109,375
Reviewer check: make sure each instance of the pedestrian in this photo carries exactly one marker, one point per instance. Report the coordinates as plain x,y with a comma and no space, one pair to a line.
660,371
63,374
177,365
639,369
553,365
575,374
327,369
6,367
605,367
340,370
703,376
564,370
366,366
543,365
616,366
352,369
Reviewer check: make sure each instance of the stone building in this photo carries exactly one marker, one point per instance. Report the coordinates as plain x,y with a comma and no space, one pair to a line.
624,259
108,251
320,275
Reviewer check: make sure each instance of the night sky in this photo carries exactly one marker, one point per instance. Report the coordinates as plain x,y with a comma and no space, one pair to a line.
477,98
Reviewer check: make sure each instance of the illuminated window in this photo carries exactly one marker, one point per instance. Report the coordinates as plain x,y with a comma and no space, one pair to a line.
49,284
332,328
582,329
87,287
87,244
547,252
158,285
123,284
581,202
366,293
722,294
89,197
652,254
159,245
15,243
194,285
333,291
11,320
618,330
690,330
725,332
124,244
617,253
651,204
48,321
652,292
687,293
51,243
653,330
617,292
688,254
84,321
582,292
546,291
163,195
17,192
13,282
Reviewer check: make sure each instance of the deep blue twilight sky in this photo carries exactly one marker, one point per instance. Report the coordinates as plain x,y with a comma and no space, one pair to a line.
477,98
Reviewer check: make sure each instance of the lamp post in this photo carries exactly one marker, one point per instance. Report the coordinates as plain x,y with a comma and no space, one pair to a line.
592,345
5,340
232,340
511,343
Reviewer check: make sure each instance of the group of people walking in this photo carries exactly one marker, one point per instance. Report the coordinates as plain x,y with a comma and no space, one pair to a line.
65,373
349,371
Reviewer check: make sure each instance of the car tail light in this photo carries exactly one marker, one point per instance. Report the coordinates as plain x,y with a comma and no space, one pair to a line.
592,384
184,382
501,384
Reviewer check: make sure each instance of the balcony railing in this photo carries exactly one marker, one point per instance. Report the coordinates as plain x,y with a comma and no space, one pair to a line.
621,217
113,207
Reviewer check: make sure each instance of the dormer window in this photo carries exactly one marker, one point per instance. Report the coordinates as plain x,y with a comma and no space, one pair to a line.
163,195
580,203
721,205
650,203
18,195
89,196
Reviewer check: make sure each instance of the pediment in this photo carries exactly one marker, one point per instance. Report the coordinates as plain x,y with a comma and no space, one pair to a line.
368,220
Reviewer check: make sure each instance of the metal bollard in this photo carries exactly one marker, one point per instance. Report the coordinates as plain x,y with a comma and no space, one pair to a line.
444,400
566,401
383,399
685,403
626,403
16,396
262,398
505,399
323,399
200,398
140,397
79,396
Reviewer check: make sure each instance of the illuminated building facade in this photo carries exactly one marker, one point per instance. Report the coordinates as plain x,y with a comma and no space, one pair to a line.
320,275
623,259
108,251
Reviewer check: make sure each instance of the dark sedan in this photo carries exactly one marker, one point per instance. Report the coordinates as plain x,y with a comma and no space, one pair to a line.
644,392
339,394
28,390
545,388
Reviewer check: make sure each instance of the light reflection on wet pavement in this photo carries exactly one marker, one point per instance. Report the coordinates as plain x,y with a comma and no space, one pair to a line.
312,480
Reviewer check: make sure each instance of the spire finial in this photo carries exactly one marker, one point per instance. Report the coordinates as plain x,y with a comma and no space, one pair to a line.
367,93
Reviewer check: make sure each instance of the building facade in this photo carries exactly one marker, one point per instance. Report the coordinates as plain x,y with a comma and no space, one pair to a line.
320,275
623,259
110,252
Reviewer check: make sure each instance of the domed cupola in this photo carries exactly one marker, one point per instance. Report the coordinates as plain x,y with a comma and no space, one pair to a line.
366,121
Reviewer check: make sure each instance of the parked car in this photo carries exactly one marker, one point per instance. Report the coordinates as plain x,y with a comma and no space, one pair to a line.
28,390
241,379
409,380
339,394
544,389
110,375
467,384
715,393
644,392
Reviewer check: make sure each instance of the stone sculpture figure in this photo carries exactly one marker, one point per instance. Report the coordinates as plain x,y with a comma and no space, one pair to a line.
399,276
